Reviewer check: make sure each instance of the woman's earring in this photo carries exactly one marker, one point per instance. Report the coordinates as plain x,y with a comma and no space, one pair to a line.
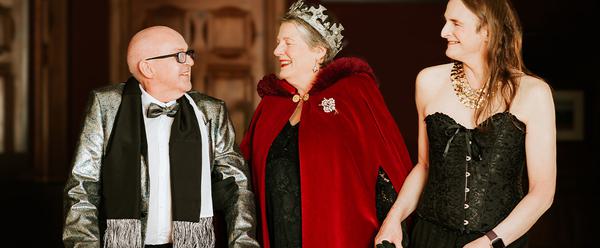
316,67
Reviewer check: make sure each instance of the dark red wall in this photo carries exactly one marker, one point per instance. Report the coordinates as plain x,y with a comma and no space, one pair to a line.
398,40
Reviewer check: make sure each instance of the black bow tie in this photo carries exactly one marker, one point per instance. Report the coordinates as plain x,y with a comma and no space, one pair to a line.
155,110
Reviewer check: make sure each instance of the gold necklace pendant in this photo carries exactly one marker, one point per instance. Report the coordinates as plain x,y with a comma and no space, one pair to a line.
466,95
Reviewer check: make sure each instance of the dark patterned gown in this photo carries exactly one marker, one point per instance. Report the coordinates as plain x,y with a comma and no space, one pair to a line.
475,180
283,190
284,213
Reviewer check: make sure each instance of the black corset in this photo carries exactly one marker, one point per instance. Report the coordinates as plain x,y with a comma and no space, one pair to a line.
475,175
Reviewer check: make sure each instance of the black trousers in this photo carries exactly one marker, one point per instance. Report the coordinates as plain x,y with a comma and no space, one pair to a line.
159,246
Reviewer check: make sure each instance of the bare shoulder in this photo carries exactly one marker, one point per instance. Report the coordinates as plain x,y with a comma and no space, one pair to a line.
533,90
533,98
431,79
533,85
434,75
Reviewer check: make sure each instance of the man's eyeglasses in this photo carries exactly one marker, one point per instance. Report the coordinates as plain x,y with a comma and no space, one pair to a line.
181,57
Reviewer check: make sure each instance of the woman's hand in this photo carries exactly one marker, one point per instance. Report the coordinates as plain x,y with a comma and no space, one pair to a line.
391,230
482,242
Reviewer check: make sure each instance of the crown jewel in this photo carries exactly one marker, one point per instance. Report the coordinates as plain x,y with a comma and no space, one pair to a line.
331,32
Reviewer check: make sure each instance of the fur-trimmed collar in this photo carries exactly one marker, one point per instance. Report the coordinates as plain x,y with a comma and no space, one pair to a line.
340,68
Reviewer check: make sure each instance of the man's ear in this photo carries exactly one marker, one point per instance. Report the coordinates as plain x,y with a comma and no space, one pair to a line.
146,69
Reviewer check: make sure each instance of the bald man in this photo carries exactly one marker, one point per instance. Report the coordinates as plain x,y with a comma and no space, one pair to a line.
154,160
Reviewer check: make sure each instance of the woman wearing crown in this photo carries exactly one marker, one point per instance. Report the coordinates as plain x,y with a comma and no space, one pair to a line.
483,119
323,148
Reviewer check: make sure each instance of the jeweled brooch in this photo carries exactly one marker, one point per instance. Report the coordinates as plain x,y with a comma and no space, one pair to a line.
328,105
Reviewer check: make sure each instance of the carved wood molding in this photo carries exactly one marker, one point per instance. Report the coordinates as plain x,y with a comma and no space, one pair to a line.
122,28
14,89
120,32
49,88
229,32
7,111
7,28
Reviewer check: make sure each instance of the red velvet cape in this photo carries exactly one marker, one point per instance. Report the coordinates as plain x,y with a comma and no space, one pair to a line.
340,153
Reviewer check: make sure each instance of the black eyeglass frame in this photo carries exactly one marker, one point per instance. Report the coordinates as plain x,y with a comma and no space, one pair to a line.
181,57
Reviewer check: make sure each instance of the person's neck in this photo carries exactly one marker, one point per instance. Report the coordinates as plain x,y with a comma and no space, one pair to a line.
475,73
304,84
163,95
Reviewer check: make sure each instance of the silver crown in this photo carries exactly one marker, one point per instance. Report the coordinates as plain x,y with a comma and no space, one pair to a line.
331,32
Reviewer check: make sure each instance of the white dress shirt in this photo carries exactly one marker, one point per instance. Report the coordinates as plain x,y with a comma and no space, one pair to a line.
158,133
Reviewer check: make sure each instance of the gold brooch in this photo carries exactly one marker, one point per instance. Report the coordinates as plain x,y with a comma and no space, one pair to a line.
297,98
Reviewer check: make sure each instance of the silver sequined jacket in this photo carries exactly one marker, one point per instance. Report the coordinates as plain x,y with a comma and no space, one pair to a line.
82,190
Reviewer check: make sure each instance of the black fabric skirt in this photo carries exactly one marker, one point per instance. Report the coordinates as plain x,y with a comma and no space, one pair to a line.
427,234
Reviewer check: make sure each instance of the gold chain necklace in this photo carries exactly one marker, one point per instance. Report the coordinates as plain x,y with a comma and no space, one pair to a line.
466,95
